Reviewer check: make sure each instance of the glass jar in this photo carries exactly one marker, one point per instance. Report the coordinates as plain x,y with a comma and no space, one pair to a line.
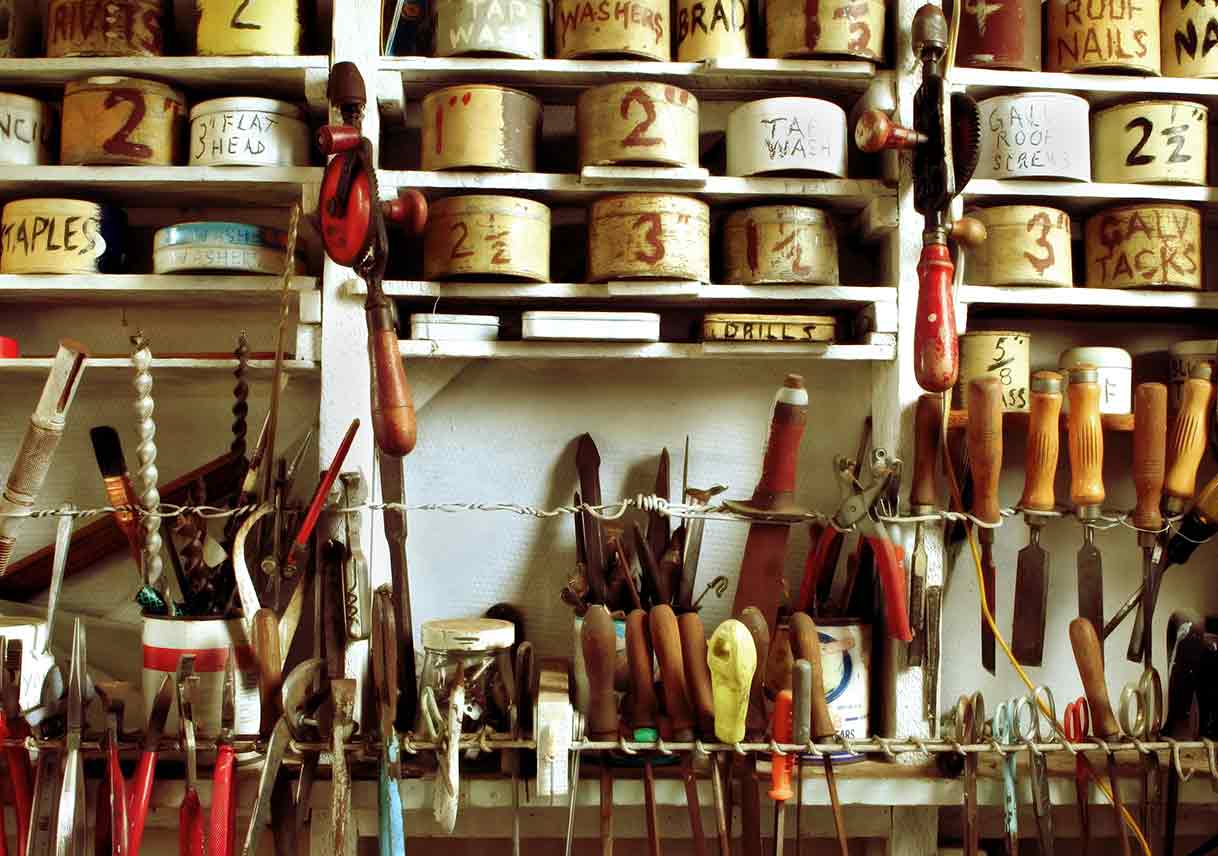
460,657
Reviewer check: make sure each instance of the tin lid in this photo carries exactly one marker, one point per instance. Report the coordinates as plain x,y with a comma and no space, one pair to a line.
252,105
1054,97
1105,358
599,317
797,214
1203,370
1154,102
468,634
220,232
39,203
729,317
439,94
985,333
1194,347
114,81
785,104
441,318
1050,382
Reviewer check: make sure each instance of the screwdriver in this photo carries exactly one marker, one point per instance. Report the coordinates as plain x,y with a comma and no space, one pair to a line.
801,734
643,712
928,418
731,659
701,697
780,766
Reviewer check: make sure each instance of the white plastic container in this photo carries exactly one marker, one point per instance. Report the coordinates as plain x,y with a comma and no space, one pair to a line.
787,134
447,327
1044,135
1115,369
592,326
248,132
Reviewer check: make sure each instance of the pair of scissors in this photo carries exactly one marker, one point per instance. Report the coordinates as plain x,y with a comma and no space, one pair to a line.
1076,724
12,725
1005,729
1031,727
1141,717
969,727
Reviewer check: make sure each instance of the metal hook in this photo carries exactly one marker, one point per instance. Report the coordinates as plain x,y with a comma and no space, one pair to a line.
1211,761
1176,761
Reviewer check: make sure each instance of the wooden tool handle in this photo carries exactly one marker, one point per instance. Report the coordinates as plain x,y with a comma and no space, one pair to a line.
393,418
801,691
1089,657
269,659
756,721
875,132
599,644
936,348
1188,438
928,427
984,439
642,681
666,640
1149,453
806,640
787,424
697,673
1086,438
1044,441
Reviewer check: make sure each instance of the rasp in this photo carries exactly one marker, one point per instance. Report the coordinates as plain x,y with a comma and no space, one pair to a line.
393,492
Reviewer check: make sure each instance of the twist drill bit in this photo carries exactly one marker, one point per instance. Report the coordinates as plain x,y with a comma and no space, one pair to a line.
241,394
147,475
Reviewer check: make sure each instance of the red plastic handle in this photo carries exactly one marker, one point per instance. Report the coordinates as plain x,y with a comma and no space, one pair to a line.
334,139
891,571
21,773
936,349
190,825
222,828
818,556
140,798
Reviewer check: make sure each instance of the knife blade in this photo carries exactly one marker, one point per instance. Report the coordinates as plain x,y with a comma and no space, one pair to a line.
588,463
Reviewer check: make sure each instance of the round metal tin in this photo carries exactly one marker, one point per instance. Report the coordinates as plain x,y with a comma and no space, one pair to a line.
796,28
480,127
501,236
513,28
637,123
1150,142
780,243
121,120
248,132
1103,35
27,131
785,329
467,634
649,236
1035,135
19,36
581,325
465,328
105,28
1000,34
1114,372
1183,357
712,29
61,236
1188,33
624,28
1026,245
219,246
1003,354
1144,246
787,134
246,28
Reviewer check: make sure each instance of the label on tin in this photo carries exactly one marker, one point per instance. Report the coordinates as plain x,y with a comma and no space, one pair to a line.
1087,33
1155,141
585,20
1033,136
1130,248
513,27
1004,356
845,657
242,135
25,136
777,134
1181,364
756,329
711,19
27,237
1190,40
235,27
96,26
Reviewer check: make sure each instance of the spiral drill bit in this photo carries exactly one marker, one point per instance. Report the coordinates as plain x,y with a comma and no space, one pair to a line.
241,394
147,476
193,529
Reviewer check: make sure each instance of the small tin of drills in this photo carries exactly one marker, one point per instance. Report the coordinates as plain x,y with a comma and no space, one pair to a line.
787,134
780,243
649,236
1027,245
1150,142
1035,135
20,37
248,27
487,236
61,236
511,28
796,28
601,30
1003,354
219,246
1116,35
122,120
632,123
480,127
1148,245
712,29
582,325
449,327
248,132
105,28
27,131
1114,367
779,329
1188,32
1000,34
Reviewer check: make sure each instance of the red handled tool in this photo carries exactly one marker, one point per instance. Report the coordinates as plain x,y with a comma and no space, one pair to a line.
110,832
1077,725
222,823
13,726
780,766
140,793
190,813
301,542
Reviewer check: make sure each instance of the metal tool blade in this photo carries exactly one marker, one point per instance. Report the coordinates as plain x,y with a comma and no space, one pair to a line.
917,599
588,463
761,570
989,575
1031,601
657,524
930,668
393,490
1090,580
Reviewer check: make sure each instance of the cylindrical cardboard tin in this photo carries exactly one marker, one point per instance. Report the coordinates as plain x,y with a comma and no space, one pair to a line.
1026,245
845,666
446,326
1116,35
1187,33
795,28
649,236
1035,135
597,28
476,126
513,28
105,28
27,131
780,243
1184,356
637,123
122,120
582,325
1000,34
1115,369
248,27
787,134
20,37
487,236
1150,142
712,29
61,236
218,246
785,329
1148,245
248,132
1003,354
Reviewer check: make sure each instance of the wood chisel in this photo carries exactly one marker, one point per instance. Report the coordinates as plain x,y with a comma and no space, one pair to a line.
701,699
639,657
732,660
756,723
984,437
930,668
599,643
1149,467
928,419
1040,467
1086,436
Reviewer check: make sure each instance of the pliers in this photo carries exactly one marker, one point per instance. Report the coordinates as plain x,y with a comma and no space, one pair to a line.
190,813
140,793
392,827
858,511
14,727
222,826
110,830
70,822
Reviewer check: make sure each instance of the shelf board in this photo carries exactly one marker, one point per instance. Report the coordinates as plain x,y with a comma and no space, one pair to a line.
164,369
180,290
563,188
152,186
643,291
1085,195
540,350
1120,422
1074,302
1099,89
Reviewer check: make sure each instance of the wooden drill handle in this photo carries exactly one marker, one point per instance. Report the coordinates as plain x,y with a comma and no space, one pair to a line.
264,640
928,428
599,643
875,132
697,673
1149,453
806,641
936,348
642,680
1089,657
1188,438
666,640
1044,441
1086,435
756,722
984,438
393,418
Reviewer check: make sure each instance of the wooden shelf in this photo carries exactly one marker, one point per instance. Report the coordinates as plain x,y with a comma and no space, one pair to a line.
1120,422
152,186
1083,196
1099,89
422,348
163,369
179,290
1080,303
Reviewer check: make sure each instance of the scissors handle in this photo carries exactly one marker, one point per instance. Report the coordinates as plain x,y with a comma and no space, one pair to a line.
223,821
392,826
190,825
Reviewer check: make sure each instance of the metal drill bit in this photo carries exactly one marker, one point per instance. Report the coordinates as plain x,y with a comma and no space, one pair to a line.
147,475
241,394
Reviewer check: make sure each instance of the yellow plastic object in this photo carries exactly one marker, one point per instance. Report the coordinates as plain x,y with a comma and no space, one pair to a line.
732,659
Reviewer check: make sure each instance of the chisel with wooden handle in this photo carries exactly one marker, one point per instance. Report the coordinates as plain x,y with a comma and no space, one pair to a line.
643,705
694,653
928,420
599,642
1086,436
984,438
1149,468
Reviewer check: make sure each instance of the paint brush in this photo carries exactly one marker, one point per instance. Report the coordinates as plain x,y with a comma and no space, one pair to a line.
108,449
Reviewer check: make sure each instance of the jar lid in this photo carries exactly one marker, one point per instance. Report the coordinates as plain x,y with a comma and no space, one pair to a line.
1105,358
468,634
1202,347
240,103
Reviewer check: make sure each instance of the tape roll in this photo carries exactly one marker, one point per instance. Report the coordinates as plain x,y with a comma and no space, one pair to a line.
649,236
1150,142
1144,246
122,120
248,27
482,235
1026,245
780,243
600,28
219,246
27,130
637,122
248,132
61,236
513,28
787,134
1035,135
796,28
105,28
1103,36
480,127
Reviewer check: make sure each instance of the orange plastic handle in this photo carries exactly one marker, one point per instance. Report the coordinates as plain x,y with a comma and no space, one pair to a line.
780,765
